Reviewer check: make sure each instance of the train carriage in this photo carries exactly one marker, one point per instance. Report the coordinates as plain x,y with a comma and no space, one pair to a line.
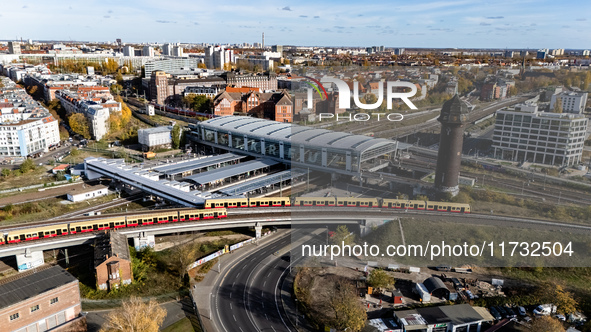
269,201
448,207
357,202
226,203
395,203
2,240
314,201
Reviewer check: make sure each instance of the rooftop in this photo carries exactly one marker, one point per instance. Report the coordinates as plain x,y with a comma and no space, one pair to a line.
32,283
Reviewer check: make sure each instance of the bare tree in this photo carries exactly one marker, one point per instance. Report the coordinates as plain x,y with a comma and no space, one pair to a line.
135,315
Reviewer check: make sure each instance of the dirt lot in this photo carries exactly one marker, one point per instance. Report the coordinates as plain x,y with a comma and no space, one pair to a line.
35,194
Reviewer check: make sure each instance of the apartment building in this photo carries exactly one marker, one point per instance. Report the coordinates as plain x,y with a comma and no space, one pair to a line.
96,110
26,127
570,101
523,133
276,106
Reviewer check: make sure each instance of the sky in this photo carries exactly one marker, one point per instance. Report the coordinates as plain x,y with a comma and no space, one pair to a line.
423,23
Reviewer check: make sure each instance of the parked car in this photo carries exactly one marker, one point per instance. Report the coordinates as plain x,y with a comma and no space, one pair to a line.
521,311
510,312
560,317
501,311
527,319
495,313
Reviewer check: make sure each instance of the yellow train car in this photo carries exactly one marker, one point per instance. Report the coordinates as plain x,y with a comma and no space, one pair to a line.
395,203
269,201
226,203
357,202
314,201
2,241
448,207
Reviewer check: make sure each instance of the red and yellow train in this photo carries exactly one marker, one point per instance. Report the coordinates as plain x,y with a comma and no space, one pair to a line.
216,209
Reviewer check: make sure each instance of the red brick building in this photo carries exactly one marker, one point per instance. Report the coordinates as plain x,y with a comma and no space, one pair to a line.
112,261
47,298
276,106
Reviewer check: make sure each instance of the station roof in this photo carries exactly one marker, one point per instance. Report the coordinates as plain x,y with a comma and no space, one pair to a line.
295,134
197,163
229,171
262,182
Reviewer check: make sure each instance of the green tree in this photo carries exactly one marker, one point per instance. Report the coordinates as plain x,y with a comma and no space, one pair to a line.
342,235
27,166
5,172
176,136
116,89
557,106
119,78
380,279
369,98
79,123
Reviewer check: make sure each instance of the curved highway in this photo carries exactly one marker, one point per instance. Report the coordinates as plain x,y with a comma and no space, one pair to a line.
247,298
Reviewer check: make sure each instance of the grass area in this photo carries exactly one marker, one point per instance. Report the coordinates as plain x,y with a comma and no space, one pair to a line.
183,325
163,120
37,176
221,233
131,206
44,209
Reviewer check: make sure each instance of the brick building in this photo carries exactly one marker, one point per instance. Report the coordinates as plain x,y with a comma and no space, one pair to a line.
276,106
47,298
112,261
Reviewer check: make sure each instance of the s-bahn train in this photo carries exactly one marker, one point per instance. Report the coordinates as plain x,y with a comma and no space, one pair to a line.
183,112
216,209
339,202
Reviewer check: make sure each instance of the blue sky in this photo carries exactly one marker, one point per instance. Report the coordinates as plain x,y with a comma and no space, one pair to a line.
453,23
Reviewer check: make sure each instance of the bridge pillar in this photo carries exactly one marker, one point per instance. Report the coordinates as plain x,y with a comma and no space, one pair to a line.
142,240
366,226
29,259
258,229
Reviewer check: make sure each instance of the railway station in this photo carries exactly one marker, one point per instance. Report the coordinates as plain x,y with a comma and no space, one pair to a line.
190,167
267,184
299,146
227,175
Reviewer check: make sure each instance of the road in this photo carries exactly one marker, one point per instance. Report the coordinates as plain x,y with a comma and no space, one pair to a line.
248,296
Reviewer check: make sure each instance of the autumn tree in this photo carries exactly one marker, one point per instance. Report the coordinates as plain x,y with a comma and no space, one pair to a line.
5,172
119,78
349,313
557,105
547,324
380,279
125,112
79,123
175,135
201,65
564,300
135,315
64,135
182,256
342,235
198,103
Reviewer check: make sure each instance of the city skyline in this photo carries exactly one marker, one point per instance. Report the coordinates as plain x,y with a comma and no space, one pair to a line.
426,24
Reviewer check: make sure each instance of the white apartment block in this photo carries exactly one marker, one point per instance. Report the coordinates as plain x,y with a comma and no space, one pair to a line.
128,51
571,102
216,57
148,51
525,134
26,128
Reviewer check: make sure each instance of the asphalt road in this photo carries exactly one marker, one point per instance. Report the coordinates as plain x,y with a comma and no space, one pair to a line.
247,298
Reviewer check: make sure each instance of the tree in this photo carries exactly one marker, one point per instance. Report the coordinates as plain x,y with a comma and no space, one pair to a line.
547,324
135,315
27,166
557,105
5,172
349,313
380,279
341,235
125,112
64,134
79,123
119,78
370,98
201,65
552,293
176,136
116,89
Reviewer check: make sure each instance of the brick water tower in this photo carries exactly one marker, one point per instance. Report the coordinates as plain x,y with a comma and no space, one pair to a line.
453,118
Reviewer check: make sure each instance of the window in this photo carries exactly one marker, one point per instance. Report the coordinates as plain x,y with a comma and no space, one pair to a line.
54,300
34,308
14,316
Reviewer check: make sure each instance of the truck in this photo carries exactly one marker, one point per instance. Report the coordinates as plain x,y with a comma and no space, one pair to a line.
545,309
149,155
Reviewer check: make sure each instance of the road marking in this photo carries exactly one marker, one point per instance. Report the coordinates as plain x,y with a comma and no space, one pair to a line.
240,328
266,317
233,284
237,274
231,306
265,283
244,267
273,328
230,294
234,317
268,275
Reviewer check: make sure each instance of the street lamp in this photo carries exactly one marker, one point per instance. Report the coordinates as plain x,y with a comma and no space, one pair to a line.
296,302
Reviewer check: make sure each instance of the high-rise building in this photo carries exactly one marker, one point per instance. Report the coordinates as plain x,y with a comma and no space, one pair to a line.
453,118
277,49
167,49
216,57
523,133
399,51
128,51
159,87
148,51
177,51
14,47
